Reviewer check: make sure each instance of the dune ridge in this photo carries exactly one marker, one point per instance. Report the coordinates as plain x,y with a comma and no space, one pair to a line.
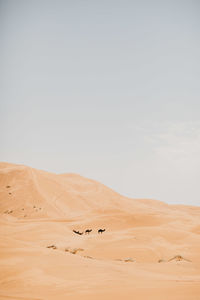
150,250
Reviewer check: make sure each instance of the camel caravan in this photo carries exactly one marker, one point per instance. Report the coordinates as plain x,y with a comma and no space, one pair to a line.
87,231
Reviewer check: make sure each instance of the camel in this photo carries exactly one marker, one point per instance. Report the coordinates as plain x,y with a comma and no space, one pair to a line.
101,230
77,232
88,231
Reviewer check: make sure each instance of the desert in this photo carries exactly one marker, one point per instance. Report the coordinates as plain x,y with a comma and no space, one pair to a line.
149,249
100,150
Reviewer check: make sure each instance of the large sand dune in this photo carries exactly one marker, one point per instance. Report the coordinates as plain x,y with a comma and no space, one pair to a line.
150,250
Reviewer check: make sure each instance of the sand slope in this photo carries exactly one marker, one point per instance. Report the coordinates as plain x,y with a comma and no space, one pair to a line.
150,250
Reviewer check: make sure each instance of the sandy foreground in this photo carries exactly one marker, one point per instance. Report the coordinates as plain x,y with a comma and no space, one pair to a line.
150,250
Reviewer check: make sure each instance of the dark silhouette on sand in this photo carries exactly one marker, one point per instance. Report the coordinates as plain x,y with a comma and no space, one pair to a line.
77,232
87,231
101,230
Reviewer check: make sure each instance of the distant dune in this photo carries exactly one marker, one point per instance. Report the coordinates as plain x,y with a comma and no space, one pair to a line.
149,250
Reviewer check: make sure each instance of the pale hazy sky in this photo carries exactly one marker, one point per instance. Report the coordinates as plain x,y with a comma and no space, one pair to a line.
107,89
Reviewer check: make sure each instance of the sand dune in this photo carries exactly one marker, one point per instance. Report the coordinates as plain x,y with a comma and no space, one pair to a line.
149,250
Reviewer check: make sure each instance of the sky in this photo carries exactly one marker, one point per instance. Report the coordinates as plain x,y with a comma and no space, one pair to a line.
106,89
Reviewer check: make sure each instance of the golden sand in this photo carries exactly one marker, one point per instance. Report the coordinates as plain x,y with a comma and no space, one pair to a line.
150,250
